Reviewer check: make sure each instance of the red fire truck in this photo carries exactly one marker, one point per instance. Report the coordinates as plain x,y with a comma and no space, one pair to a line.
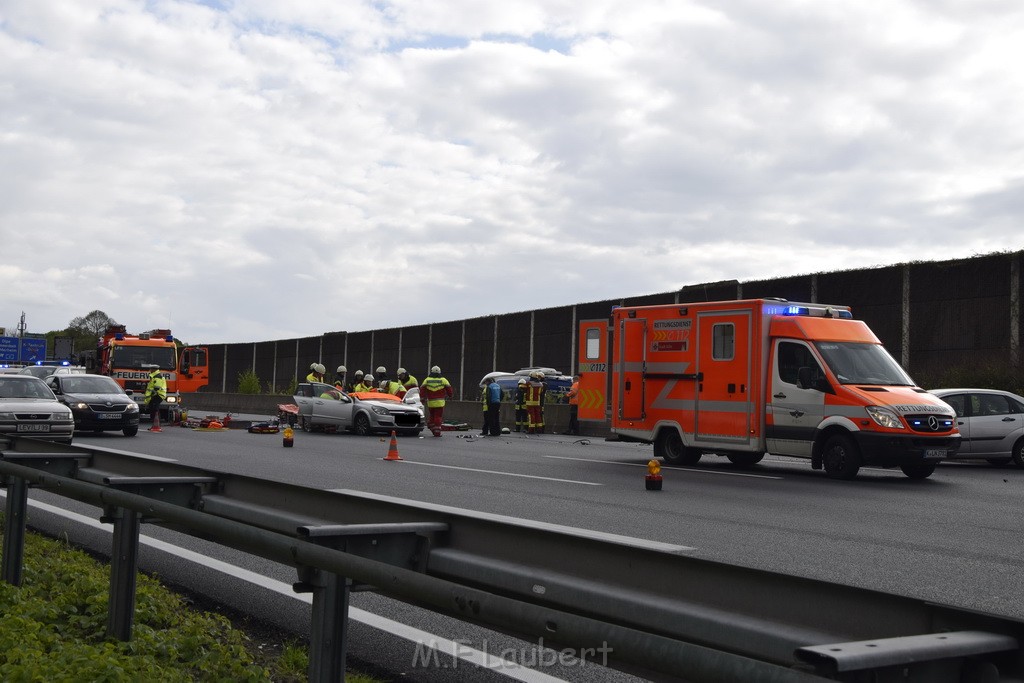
129,358
744,378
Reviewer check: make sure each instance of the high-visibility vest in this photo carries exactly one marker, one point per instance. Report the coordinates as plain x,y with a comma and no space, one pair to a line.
157,385
435,390
534,393
574,394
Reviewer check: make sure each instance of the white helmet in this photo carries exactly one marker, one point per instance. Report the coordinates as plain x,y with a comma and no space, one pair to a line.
312,366
402,371
368,378
435,370
359,373
320,369
381,370
341,369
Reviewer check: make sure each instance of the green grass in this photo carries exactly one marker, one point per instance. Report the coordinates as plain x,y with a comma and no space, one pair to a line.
53,628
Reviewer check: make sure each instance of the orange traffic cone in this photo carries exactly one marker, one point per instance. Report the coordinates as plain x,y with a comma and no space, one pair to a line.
393,448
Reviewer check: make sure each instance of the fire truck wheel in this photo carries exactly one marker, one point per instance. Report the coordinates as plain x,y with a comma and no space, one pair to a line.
1018,453
840,457
918,470
668,446
745,459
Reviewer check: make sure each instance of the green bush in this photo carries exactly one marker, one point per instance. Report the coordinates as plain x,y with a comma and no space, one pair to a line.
248,382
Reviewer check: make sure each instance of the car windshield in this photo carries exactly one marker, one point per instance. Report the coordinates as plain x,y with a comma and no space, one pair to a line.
144,356
24,388
860,363
89,384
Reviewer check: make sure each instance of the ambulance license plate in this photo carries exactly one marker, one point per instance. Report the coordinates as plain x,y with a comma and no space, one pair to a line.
934,453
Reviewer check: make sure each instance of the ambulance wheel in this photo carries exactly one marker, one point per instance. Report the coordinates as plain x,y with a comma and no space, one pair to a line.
840,457
745,459
918,470
668,446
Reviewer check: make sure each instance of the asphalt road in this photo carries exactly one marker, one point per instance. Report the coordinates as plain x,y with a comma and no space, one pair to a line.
953,538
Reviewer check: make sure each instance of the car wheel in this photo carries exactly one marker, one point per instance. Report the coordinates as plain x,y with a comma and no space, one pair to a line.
998,462
668,446
306,424
362,425
1018,453
130,431
840,457
918,470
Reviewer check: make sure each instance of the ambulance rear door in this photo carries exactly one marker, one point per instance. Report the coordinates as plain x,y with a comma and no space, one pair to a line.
723,403
632,360
593,353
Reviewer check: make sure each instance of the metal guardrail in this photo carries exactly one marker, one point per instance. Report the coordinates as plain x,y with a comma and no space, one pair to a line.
652,608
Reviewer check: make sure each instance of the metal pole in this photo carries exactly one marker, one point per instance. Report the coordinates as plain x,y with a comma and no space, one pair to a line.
328,642
124,564
14,530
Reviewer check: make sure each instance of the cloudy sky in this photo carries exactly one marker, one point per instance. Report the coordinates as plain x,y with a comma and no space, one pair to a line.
259,170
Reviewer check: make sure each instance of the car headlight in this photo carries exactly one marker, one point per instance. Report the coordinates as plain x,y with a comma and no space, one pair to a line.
380,410
132,408
81,405
172,399
6,416
884,417
63,417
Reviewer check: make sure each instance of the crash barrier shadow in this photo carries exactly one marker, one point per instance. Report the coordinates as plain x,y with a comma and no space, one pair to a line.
649,607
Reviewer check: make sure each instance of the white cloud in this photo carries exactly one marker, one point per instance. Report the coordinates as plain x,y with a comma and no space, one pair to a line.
273,169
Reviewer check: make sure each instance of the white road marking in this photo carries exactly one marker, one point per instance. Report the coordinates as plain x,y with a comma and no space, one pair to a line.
678,469
451,648
507,474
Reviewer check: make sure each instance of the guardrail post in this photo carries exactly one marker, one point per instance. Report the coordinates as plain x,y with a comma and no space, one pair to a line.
124,564
328,636
14,530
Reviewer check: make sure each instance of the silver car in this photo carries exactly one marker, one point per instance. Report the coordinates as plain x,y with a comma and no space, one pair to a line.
324,407
29,408
991,424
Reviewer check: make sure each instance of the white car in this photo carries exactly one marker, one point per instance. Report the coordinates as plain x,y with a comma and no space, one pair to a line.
991,424
29,408
324,407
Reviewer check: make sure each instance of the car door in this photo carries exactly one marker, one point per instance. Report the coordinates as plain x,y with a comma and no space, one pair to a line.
995,425
329,405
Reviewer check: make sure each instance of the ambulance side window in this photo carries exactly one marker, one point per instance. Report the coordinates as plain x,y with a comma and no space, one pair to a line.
593,344
792,357
723,338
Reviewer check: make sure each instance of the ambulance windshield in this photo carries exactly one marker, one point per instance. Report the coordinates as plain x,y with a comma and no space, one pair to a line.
859,363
